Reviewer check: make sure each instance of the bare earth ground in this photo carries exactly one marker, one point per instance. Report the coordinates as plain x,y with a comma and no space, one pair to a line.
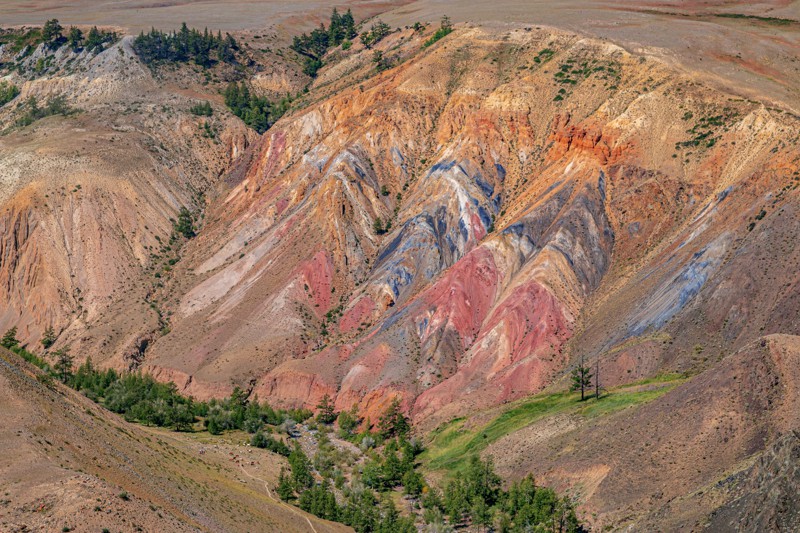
753,58
756,59
226,15
65,462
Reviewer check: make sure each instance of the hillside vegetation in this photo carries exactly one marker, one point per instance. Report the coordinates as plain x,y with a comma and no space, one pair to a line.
398,258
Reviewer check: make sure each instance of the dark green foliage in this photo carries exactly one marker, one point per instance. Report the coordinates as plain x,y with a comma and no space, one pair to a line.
301,469
769,20
393,423
10,340
477,490
75,38
208,131
185,224
313,45
141,398
63,364
342,27
49,338
379,228
544,55
477,496
320,501
51,33
531,508
581,379
18,40
260,440
184,45
137,397
202,110
285,488
392,522
34,360
311,66
474,498
56,105
325,411
359,510
376,33
183,416
445,29
382,63
8,91
413,483
348,422
394,468
316,44
96,40
299,415
256,111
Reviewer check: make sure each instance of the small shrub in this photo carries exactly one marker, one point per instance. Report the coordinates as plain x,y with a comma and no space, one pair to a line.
8,91
445,29
202,110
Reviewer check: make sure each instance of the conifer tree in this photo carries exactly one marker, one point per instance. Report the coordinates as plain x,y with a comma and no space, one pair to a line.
51,32
63,363
10,340
325,414
285,490
49,338
75,38
581,379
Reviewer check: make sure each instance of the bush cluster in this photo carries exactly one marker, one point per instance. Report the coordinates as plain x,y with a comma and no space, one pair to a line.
185,45
313,46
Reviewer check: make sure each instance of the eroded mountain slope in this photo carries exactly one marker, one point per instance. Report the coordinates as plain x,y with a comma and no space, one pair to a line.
529,177
89,199
68,463
456,225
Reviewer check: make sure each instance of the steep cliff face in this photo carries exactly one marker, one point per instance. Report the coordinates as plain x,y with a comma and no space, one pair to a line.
546,195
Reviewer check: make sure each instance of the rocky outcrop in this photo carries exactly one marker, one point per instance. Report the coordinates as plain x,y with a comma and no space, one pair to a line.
768,492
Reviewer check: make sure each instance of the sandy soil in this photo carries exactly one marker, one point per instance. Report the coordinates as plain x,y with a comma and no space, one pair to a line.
227,15
753,58
756,59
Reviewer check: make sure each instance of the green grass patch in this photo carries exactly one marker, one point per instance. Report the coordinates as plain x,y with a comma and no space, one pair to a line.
452,445
18,39
620,400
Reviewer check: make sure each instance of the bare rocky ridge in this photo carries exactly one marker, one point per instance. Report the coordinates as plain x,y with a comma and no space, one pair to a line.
554,189
767,489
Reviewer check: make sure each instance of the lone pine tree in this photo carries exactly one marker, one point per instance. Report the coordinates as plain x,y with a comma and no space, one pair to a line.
581,379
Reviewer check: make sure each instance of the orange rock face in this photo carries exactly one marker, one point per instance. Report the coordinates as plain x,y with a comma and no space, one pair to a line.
455,231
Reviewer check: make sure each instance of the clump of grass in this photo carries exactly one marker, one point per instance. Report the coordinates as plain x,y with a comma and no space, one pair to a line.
451,446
